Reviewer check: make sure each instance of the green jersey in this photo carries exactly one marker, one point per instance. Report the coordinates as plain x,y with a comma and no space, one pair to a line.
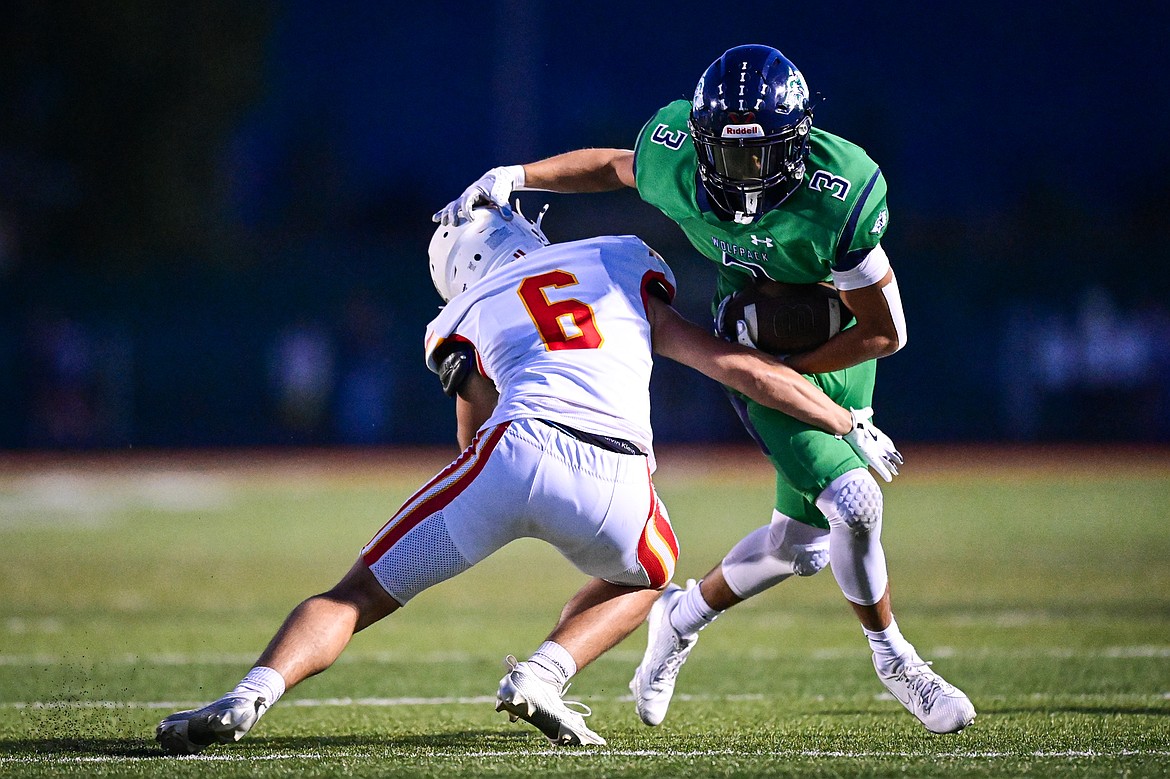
832,220
829,223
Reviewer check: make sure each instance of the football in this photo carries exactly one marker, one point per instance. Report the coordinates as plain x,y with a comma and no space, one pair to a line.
785,318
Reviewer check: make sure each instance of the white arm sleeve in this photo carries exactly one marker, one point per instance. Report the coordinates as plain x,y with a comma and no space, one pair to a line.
894,301
869,271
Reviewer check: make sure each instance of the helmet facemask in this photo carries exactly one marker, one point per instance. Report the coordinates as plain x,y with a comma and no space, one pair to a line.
749,176
750,123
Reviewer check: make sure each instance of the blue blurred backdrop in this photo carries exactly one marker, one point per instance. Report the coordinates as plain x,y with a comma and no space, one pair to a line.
214,215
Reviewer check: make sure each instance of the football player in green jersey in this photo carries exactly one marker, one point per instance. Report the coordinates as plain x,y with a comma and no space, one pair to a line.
766,196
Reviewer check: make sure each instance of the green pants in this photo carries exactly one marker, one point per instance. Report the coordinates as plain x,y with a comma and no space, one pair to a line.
806,458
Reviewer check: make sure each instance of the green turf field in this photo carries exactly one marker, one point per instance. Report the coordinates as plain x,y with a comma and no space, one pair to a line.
1037,581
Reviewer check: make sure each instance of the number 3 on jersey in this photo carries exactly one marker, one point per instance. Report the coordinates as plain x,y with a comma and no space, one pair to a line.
565,324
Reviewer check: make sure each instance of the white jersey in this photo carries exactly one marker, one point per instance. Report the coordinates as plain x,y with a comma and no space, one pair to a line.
563,334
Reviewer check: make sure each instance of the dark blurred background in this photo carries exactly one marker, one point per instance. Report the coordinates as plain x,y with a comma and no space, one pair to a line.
214,215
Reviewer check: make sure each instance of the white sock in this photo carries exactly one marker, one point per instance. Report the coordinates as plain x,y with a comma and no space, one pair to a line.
263,681
691,612
553,663
889,645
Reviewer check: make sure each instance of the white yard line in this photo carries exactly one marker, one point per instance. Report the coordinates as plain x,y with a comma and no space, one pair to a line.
1124,652
225,658
480,700
431,755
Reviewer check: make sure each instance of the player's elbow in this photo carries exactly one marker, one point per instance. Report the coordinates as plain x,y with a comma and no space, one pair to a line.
885,339
886,344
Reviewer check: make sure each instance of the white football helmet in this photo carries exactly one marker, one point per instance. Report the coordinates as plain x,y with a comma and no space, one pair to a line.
492,236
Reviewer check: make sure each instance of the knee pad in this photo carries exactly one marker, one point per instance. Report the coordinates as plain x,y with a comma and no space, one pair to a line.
769,555
852,504
853,499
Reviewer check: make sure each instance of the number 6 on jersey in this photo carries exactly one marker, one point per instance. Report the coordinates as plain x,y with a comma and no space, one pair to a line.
565,324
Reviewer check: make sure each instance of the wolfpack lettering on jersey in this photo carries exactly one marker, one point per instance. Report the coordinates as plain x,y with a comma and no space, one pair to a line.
563,334
829,223
743,251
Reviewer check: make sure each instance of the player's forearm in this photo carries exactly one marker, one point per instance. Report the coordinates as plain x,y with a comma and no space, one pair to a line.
848,348
761,377
582,170
880,330
784,390
467,422
474,404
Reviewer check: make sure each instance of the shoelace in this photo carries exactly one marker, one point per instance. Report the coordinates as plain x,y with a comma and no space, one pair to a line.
925,683
673,663
582,708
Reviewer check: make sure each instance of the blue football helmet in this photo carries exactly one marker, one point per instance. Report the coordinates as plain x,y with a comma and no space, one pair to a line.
750,122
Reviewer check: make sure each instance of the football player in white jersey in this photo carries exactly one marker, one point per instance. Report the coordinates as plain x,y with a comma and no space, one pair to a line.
547,350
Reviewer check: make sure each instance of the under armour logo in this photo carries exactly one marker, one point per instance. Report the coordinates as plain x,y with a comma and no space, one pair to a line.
767,242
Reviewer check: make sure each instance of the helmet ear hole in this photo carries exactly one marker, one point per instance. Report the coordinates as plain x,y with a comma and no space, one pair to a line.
477,257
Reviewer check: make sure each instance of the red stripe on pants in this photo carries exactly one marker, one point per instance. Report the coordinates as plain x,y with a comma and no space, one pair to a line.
658,569
410,515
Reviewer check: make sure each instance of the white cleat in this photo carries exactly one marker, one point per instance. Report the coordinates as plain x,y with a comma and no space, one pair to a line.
526,696
939,705
222,722
666,651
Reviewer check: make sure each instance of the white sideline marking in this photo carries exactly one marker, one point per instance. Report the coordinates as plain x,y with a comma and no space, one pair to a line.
1059,653
698,753
479,700
62,498
19,626
1124,652
304,702
228,658
50,759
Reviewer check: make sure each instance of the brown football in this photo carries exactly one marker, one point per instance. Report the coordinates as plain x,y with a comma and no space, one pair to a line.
786,318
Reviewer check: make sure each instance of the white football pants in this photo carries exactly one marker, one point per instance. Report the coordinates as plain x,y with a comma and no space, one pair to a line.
525,479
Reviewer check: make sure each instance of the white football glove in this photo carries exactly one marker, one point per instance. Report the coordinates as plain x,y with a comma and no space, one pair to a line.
742,335
495,186
872,445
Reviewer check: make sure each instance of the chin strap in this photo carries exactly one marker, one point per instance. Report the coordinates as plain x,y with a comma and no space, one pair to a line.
751,201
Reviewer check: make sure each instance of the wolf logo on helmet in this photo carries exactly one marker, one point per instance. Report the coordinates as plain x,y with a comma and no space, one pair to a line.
698,101
795,94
